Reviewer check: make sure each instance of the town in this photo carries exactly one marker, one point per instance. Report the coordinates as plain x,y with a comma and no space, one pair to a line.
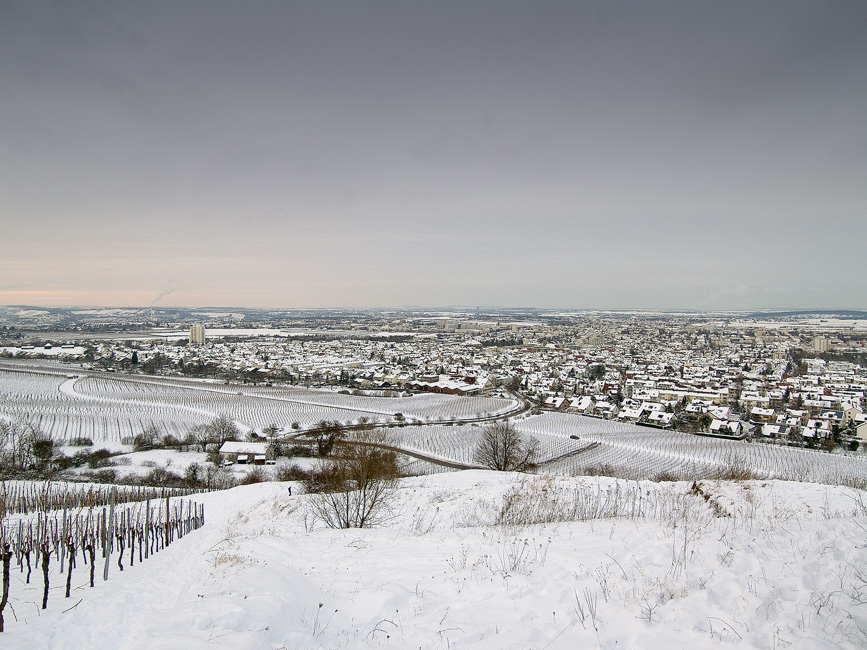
783,378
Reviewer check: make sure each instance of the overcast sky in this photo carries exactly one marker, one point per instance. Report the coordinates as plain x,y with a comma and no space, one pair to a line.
704,155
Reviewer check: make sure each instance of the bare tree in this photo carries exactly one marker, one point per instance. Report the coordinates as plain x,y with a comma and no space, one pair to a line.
147,438
502,448
193,475
221,429
41,449
218,478
326,434
271,430
24,446
513,383
356,488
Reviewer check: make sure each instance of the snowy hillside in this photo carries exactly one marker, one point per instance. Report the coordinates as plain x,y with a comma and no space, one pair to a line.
481,560
108,409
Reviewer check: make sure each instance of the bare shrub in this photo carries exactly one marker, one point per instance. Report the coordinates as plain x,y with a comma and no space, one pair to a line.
147,439
256,475
299,451
850,480
218,478
160,477
290,473
102,476
601,470
736,469
193,475
42,449
324,478
98,458
542,501
502,448
357,487
170,441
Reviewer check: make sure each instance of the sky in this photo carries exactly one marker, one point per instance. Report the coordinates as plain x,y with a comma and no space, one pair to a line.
659,155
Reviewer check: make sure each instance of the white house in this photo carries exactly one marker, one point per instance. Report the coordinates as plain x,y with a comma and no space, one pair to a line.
660,418
252,453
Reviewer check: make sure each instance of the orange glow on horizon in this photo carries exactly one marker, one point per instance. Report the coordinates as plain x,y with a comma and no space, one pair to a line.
56,298
193,299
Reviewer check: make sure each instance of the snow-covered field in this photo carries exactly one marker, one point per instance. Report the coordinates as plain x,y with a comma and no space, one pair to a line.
637,452
631,565
643,452
109,408
112,408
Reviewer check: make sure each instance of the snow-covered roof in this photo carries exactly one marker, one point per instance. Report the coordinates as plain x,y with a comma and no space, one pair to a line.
254,448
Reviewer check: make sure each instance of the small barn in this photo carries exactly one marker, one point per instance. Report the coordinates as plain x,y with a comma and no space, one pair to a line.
244,453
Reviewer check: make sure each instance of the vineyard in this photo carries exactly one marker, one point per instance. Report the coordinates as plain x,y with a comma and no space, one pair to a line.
52,528
109,409
642,452
639,452
27,497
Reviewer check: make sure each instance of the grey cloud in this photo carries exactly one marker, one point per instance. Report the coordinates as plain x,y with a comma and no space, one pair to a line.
555,153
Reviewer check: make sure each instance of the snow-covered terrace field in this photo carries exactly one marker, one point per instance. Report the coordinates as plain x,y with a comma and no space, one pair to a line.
643,452
108,408
640,452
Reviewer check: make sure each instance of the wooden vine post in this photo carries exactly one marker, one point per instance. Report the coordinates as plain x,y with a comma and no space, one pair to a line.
65,533
71,548
7,557
147,527
46,557
109,534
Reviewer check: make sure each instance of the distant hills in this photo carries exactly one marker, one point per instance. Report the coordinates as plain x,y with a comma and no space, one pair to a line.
820,313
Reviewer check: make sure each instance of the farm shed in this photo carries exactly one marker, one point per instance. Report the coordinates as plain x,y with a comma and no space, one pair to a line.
252,453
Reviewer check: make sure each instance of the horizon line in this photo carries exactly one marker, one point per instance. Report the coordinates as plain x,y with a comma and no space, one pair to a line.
807,310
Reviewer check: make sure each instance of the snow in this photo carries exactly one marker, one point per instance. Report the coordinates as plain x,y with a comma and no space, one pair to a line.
53,351
140,463
111,408
757,564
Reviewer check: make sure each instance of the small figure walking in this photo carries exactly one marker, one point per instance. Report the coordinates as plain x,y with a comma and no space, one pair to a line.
290,490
